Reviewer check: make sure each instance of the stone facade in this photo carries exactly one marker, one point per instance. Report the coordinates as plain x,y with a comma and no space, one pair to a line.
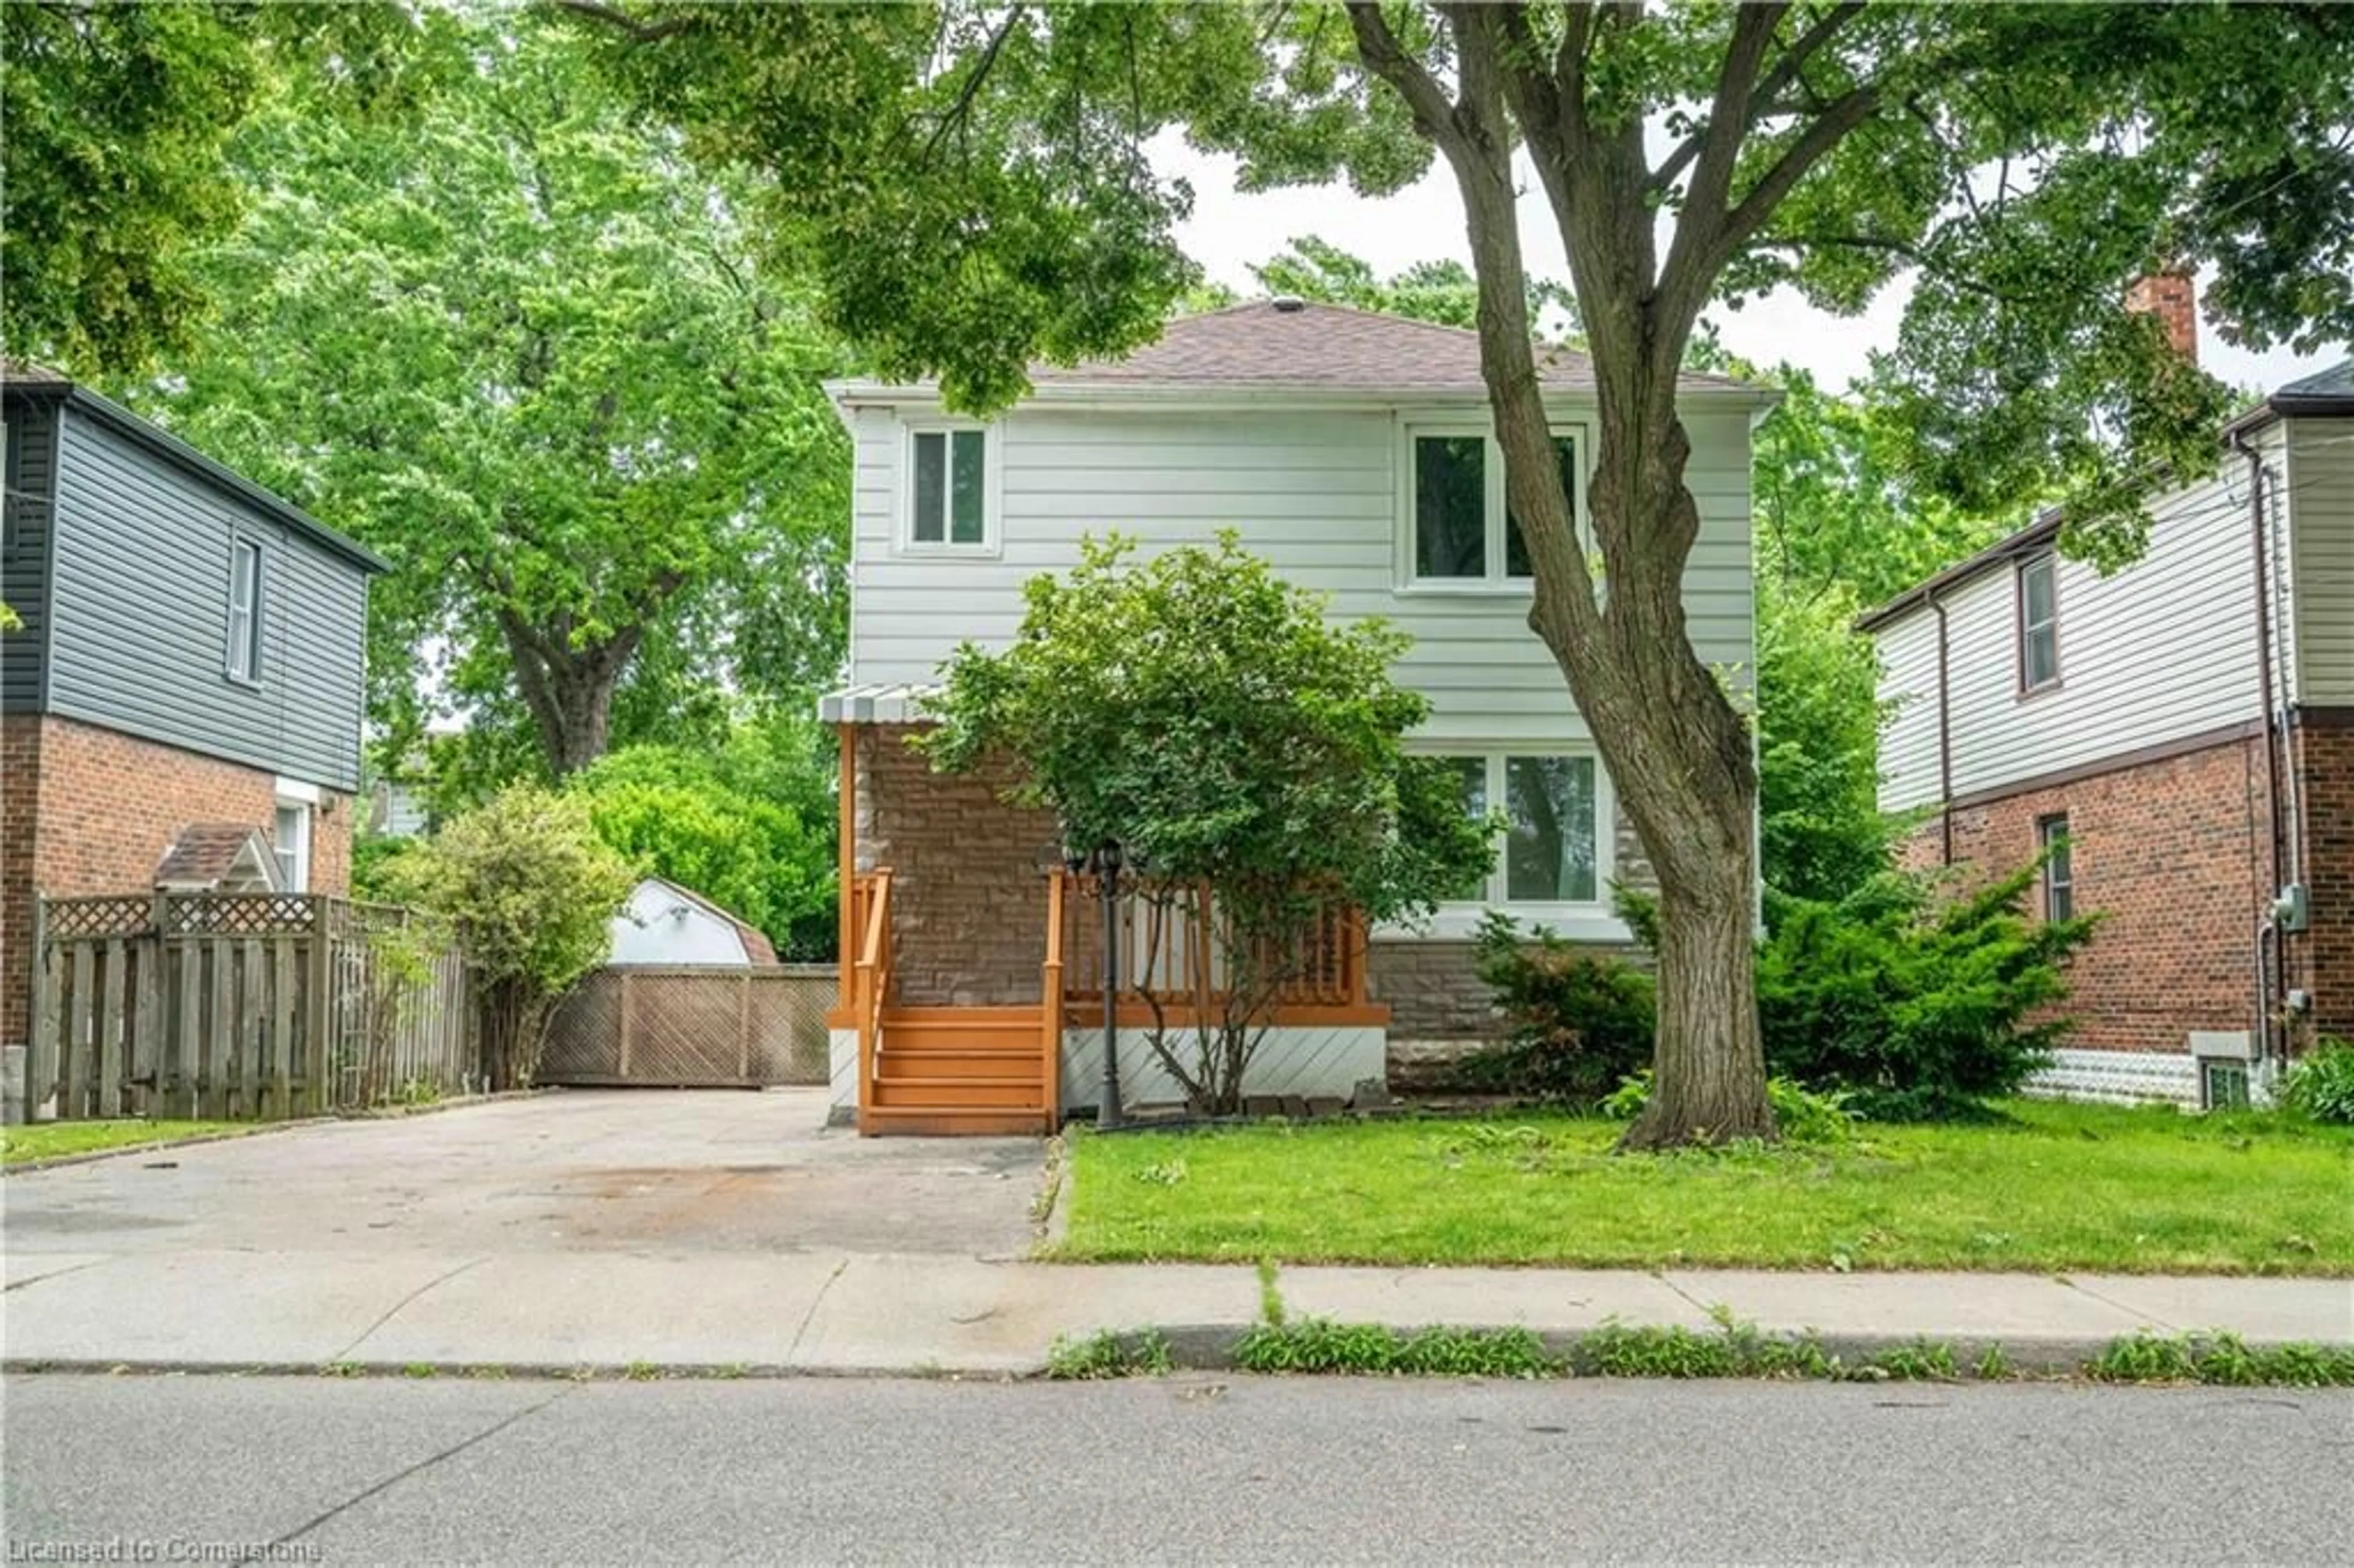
91,810
968,883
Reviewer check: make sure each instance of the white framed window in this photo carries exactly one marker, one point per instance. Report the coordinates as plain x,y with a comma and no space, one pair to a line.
245,610
1555,854
1456,532
2039,623
290,838
950,490
2059,874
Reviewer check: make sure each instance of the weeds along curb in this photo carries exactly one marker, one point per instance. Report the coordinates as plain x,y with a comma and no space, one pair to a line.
1317,1346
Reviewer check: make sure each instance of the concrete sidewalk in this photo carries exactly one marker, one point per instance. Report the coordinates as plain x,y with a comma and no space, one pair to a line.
869,1312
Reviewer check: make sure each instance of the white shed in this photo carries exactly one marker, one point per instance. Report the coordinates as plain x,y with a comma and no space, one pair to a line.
663,923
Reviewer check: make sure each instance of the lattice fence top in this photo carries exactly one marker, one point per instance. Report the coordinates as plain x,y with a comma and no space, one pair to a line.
96,917
239,913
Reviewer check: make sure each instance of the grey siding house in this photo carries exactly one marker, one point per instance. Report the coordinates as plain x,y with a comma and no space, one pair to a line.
189,652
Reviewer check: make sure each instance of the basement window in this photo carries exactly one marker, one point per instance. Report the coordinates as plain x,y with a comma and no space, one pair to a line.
2222,1083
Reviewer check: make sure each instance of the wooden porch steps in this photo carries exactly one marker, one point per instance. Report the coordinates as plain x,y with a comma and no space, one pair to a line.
949,1070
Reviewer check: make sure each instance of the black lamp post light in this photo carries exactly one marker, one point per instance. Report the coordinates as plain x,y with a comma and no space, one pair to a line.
1104,862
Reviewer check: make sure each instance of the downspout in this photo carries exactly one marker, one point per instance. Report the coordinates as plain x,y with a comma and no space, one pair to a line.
1945,740
2269,975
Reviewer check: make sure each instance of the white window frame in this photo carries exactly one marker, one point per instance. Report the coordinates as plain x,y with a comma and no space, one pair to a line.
298,879
251,644
2047,561
1578,919
1412,426
992,487
2050,827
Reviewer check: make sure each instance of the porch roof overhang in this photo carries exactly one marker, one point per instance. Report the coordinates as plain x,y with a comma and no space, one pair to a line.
880,702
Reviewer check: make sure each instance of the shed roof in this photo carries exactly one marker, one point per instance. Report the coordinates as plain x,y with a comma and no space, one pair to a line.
757,949
206,854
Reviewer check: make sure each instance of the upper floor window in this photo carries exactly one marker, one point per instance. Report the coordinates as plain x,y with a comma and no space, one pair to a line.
1463,533
1552,851
245,618
2038,622
2059,876
949,488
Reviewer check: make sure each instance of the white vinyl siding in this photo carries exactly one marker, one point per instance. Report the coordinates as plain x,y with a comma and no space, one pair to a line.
2320,514
1317,493
2162,650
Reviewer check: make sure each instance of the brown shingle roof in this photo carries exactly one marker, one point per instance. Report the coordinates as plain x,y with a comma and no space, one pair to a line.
205,855
1327,347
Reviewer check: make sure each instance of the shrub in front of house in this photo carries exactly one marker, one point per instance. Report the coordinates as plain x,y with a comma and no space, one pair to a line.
1579,1023
1921,1003
1915,1004
528,890
2321,1086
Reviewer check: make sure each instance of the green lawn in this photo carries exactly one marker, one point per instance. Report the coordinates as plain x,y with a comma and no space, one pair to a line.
2051,1187
50,1140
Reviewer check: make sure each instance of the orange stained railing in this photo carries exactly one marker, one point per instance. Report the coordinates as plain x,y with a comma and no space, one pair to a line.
1050,1002
1170,942
871,979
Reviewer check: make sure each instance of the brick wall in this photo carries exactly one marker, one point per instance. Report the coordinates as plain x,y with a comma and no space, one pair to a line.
968,890
2174,854
94,809
2322,960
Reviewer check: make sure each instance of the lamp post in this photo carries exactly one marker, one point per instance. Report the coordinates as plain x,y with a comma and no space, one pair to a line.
1104,860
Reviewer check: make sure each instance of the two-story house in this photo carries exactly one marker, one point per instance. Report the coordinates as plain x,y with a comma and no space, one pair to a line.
182,701
1351,450
2181,733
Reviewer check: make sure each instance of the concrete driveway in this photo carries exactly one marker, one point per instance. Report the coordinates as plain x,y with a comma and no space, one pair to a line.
666,1173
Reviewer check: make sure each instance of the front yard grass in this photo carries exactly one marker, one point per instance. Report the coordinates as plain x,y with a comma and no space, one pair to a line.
55,1139
2049,1187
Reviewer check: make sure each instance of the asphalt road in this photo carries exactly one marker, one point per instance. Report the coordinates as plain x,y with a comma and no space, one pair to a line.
1183,1470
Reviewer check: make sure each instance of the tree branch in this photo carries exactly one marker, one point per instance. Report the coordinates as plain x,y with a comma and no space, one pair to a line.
636,31
971,88
1827,131
1386,59
1765,97
1727,127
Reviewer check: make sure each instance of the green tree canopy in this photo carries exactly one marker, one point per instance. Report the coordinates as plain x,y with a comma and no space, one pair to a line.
522,348
750,825
113,171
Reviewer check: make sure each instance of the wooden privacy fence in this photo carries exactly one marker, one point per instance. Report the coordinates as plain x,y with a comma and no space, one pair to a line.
690,1026
238,1006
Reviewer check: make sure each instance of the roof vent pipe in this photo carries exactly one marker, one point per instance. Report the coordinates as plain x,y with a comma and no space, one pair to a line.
1289,304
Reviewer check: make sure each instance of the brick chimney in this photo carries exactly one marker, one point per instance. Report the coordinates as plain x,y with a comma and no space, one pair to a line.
2172,296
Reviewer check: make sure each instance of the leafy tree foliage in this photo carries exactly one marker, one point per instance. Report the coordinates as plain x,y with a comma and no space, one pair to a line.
522,348
1442,291
751,826
1204,714
530,892
114,177
970,182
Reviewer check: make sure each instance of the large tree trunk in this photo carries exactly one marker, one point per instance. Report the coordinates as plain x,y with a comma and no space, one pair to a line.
568,690
1679,755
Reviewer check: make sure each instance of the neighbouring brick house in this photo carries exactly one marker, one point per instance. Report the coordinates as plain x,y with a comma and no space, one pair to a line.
2186,724
188,672
1351,452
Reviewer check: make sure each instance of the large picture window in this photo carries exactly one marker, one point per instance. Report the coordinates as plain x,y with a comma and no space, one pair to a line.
1461,532
1552,851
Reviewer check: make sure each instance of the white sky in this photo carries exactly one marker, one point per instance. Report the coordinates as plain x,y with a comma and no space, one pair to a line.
1230,230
